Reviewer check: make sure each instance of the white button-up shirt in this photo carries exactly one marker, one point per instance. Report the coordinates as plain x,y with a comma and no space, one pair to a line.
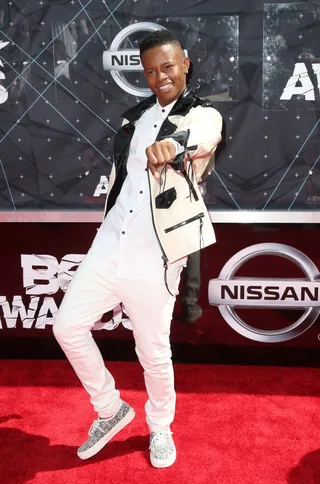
133,240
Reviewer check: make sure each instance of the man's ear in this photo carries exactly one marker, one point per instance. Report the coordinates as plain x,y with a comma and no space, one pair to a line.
186,64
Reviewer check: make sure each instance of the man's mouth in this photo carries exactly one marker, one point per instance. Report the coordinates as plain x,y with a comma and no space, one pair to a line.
165,87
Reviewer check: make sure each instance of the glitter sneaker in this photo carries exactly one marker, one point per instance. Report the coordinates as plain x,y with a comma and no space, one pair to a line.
102,430
162,449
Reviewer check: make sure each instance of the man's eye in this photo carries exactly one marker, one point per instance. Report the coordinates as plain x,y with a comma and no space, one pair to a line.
169,66
150,73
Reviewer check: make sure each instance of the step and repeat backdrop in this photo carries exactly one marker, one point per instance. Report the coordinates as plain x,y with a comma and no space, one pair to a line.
68,69
260,287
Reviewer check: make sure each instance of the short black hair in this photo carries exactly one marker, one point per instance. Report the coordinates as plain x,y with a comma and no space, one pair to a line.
158,37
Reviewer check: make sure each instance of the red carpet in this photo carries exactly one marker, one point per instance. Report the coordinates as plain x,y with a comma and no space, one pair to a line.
234,425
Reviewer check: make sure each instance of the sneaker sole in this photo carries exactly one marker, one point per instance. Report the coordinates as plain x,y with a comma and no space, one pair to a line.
161,464
102,442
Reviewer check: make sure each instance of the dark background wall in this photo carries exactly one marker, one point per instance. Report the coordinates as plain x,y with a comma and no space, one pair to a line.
63,104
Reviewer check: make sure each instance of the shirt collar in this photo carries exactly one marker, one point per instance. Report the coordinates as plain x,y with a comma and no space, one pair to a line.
165,110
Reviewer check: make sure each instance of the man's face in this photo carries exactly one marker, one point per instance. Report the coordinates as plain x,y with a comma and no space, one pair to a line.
165,68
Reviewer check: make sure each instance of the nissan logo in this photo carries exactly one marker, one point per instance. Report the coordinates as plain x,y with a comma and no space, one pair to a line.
228,292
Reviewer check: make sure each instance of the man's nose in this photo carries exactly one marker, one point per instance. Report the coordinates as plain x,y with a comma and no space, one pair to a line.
162,75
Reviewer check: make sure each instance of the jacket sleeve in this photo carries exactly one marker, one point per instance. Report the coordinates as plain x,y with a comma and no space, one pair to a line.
204,125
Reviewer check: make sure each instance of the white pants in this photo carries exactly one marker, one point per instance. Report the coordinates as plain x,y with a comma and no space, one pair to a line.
94,290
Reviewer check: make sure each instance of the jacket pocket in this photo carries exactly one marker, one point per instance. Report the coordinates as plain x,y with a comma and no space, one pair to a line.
166,199
185,222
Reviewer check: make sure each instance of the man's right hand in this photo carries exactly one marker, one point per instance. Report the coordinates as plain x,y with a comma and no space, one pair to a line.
158,154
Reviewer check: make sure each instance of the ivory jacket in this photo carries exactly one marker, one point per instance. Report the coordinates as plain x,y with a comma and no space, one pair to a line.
180,218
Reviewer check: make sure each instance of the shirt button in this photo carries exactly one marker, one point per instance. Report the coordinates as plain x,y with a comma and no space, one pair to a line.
123,232
141,191
155,126
163,110
131,211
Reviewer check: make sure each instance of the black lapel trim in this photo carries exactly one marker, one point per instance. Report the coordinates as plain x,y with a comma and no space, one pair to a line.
167,128
135,112
185,102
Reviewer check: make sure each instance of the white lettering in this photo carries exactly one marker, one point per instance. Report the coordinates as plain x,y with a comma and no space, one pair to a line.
102,187
67,269
18,309
42,274
47,313
3,91
301,77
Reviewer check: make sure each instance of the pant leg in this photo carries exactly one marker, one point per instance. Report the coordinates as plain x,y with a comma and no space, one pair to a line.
149,307
191,281
91,293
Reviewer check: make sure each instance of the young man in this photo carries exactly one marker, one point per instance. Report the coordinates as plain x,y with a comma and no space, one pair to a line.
126,260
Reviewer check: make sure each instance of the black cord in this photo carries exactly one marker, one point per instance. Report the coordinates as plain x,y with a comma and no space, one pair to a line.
165,176
202,243
165,265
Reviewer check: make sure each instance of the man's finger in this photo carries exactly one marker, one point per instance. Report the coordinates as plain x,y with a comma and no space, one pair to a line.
157,149
167,156
152,159
172,150
154,170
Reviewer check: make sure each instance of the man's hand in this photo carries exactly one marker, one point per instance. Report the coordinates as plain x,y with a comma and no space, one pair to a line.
158,154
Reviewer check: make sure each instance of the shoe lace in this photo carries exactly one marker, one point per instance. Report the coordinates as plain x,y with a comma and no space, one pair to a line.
160,438
94,426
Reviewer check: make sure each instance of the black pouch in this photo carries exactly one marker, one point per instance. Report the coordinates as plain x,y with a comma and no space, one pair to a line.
166,198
